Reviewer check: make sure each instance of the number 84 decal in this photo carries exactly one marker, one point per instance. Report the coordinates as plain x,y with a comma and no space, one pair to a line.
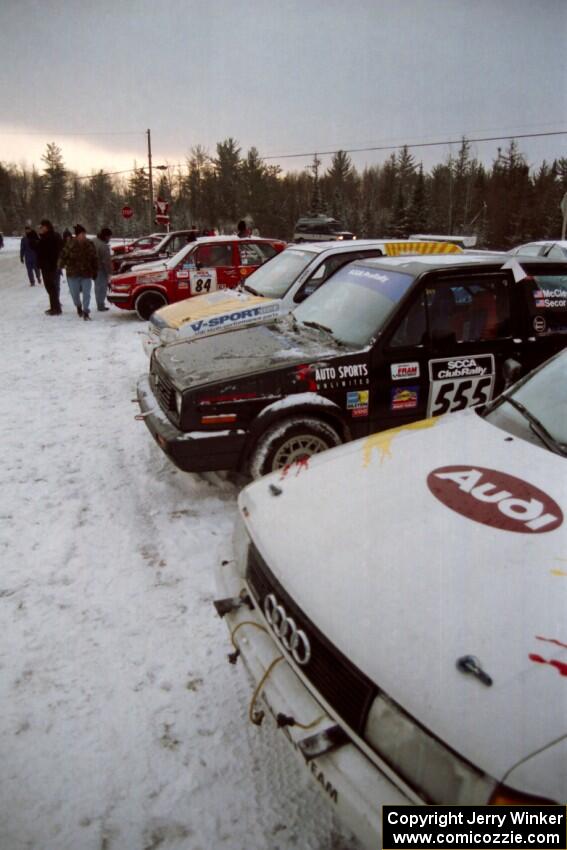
202,281
459,382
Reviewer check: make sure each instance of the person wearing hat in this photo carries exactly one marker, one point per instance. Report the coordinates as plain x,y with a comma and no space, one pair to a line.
48,250
104,267
79,259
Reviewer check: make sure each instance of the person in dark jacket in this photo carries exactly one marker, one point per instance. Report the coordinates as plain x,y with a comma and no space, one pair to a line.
79,259
104,267
28,254
48,250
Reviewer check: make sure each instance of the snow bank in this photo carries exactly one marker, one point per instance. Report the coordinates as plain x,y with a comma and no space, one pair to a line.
123,726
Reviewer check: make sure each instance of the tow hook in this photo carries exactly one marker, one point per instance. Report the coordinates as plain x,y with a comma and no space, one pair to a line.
232,603
139,417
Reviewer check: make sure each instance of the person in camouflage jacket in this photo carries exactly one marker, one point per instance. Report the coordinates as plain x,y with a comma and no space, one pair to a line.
79,259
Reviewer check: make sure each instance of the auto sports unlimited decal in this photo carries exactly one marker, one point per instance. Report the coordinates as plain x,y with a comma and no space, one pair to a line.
202,280
347,375
237,317
357,402
399,371
495,498
458,382
404,398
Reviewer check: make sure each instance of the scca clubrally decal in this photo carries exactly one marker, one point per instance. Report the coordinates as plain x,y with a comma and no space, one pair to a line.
458,382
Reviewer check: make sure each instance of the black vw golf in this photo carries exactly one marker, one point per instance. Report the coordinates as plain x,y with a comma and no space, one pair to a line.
385,342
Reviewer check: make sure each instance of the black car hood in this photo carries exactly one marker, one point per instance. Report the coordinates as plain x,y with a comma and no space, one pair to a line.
239,354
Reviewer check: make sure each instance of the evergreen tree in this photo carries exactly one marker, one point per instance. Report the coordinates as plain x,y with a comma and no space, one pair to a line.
227,168
55,182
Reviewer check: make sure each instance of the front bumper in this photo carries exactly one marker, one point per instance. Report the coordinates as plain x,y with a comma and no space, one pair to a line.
345,776
120,299
192,451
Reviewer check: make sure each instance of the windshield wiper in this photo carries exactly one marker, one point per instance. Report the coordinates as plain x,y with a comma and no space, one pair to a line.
319,327
250,289
537,428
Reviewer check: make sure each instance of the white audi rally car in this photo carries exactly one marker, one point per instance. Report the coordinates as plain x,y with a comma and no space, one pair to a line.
401,603
274,289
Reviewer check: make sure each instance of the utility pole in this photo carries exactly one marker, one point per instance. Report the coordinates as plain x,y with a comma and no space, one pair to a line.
151,185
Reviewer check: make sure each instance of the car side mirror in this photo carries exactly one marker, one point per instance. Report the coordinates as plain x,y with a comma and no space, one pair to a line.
198,265
512,371
305,292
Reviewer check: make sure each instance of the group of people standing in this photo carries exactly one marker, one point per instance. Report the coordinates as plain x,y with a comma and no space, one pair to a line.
84,260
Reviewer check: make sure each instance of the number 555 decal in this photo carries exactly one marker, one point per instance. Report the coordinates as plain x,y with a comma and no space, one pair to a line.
459,382
203,280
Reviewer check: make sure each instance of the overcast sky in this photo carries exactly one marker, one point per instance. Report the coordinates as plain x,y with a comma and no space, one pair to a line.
288,77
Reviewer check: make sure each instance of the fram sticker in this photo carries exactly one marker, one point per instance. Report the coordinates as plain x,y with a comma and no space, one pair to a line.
404,370
404,398
495,498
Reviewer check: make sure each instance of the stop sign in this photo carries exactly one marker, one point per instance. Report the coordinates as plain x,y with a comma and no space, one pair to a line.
127,212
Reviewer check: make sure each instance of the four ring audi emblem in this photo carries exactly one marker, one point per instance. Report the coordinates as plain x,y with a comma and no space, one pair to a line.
293,639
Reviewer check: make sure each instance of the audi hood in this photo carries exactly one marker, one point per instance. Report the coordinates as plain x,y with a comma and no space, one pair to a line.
414,548
238,354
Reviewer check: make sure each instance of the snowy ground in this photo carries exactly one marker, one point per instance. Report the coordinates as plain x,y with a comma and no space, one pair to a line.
122,725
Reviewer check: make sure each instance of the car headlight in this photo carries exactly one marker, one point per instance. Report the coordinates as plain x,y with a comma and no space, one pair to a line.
167,336
240,545
178,402
434,771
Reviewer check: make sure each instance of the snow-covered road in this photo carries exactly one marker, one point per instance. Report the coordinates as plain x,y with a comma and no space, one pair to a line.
122,725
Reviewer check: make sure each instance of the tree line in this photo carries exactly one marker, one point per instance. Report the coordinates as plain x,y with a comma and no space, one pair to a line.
504,204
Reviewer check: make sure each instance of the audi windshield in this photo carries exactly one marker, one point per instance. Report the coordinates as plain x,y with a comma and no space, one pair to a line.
535,409
273,279
355,303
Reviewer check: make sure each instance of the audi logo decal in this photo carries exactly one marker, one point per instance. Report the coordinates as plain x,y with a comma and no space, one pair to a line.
285,629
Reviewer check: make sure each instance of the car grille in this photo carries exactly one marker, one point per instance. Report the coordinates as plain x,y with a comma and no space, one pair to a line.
344,687
163,389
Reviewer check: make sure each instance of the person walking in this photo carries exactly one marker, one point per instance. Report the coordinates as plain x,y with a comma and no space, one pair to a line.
28,254
48,250
79,259
104,267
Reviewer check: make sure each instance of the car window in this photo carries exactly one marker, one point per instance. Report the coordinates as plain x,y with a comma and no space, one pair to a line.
529,250
273,279
250,254
412,328
556,252
475,310
214,256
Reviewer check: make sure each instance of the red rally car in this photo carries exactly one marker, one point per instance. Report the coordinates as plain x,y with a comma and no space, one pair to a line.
205,265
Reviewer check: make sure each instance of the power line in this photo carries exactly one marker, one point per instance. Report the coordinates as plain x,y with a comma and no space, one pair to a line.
418,145
355,150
